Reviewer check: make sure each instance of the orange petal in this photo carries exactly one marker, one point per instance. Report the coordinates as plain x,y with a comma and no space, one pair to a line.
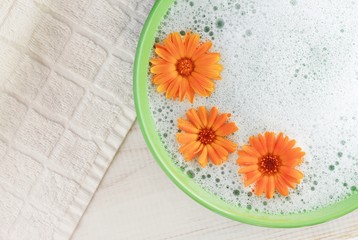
294,153
196,86
177,40
214,69
257,145
246,161
163,68
286,181
260,185
270,187
190,150
192,45
252,177
203,158
165,54
207,59
184,138
215,158
187,126
228,145
203,115
201,50
281,186
292,172
164,86
164,77
226,129
278,144
209,73
250,151
270,141
183,89
173,89
289,145
222,153
220,120
205,82
212,116
171,48
262,141
190,94
159,61
248,168
194,118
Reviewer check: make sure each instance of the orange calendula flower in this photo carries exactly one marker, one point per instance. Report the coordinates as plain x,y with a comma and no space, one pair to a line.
269,162
203,135
185,67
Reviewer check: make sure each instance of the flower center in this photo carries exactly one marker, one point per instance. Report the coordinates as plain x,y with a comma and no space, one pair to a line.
269,164
206,136
185,67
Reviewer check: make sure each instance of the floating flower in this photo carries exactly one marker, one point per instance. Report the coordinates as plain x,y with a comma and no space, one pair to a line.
204,136
270,163
185,67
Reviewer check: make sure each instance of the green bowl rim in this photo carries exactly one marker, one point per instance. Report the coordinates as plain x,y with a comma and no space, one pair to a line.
186,184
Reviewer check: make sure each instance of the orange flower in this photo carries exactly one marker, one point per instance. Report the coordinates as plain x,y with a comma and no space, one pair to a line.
204,136
185,67
270,163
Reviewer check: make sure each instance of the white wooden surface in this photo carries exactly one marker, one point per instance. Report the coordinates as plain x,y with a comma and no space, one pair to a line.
136,200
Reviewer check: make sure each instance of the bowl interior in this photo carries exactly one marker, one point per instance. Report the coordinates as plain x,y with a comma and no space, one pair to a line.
181,179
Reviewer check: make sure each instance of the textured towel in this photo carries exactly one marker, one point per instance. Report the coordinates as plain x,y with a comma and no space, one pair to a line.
65,107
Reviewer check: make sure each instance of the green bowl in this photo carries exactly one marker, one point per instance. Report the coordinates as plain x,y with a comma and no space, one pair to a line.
186,184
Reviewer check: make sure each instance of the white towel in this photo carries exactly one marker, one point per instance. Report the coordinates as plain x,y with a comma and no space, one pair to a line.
65,107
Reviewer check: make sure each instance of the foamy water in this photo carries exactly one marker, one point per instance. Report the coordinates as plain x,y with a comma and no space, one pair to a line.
290,66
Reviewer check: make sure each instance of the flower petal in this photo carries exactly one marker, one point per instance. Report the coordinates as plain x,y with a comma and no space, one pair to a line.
201,50
292,172
183,89
190,94
165,54
262,141
249,168
203,158
212,116
177,40
187,126
226,129
246,161
270,187
252,177
192,45
164,77
281,186
205,82
215,158
260,185
163,68
257,145
171,48
250,151
270,141
190,150
228,145
203,115
222,153
184,138
220,120
194,118
173,89
196,86
208,59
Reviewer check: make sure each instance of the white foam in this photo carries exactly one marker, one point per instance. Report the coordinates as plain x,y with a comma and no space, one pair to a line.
290,66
